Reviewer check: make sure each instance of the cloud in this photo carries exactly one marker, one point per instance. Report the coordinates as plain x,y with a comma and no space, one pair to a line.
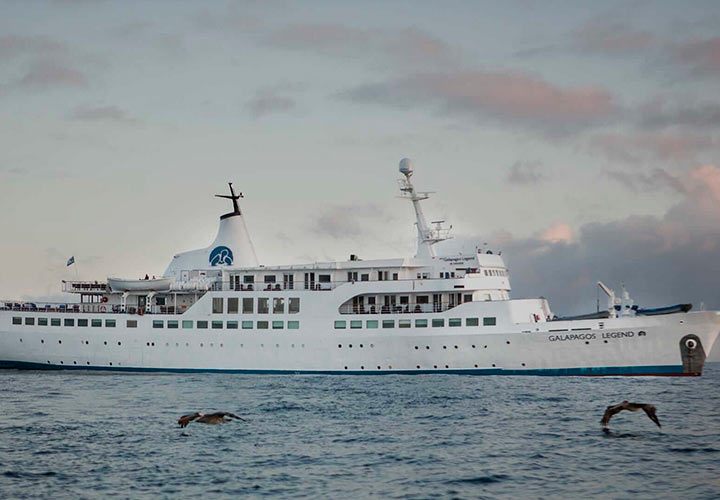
660,114
46,73
700,56
345,221
663,260
638,147
599,36
13,46
271,100
509,97
101,114
409,46
523,173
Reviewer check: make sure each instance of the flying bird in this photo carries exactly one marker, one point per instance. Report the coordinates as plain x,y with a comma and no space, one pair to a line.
212,418
612,410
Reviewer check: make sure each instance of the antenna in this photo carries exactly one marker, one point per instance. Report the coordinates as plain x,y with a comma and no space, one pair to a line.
234,197
427,236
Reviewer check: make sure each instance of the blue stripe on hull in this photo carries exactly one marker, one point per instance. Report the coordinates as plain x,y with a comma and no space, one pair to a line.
590,371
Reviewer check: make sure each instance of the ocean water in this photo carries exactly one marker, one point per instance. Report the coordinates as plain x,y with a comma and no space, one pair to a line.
101,435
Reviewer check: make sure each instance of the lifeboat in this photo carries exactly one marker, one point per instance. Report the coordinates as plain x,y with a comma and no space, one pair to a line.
149,285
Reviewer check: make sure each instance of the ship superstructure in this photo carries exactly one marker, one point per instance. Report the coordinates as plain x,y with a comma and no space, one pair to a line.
217,309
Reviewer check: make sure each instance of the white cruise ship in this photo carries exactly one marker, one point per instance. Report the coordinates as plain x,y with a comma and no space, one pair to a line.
216,309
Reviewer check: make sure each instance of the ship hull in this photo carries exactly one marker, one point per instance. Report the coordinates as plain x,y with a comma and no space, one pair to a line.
655,346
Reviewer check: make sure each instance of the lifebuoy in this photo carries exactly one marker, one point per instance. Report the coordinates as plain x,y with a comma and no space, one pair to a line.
104,299
103,309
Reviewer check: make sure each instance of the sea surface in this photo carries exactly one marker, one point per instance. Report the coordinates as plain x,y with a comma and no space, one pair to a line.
104,435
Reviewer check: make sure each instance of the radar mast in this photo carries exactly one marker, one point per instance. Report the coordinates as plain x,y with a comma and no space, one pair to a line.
427,236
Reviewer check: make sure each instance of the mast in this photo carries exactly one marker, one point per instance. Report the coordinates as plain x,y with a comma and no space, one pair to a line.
426,236
234,197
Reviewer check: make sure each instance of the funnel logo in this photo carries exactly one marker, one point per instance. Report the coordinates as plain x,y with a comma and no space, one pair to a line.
222,256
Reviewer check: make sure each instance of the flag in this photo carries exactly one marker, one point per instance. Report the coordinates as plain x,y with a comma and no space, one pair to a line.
70,261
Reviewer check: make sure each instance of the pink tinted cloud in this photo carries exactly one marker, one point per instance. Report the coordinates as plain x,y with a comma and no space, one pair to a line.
509,96
642,146
47,73
703,56
560,232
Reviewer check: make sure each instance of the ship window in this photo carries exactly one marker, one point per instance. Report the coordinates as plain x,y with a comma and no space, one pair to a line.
131,323
423,299
248,279
82,322
54,321
278,305
278,325
172,323
356,323
202,324
472,322
96,323
247,325
68,322
42,321
339,325
17,320
404,323
269,278
364,277
232,305
160,301
247,305
109,323
371,323
395,276
263,305
467,297
232,325
294,305
187,323
157,323
388,323
217,325
262,325
438,322
404,299
29,321
293,325
420,323
217,305
489,321
455,322
324,278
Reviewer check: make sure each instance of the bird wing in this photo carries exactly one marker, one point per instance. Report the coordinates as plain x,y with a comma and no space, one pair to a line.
186,419
650,412
609,412
232,415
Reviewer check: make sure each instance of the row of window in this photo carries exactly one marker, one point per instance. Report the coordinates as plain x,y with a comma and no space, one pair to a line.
159,323
419,323
230,325
248,305
94,323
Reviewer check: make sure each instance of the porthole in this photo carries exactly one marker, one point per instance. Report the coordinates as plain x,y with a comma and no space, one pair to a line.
361,346
187,344
262,345
350,346
523,364
277,345
147,344
587,343
389,367
339,346
346,367
434,366
153,344
87,362
20,340
74,362
446,366
110,363
212,344
42,341
507,342
292,345
605,341
59,341
302,345
493,365
221,345
456,347
416,348
372,345
476,366
48,361
362,367
62,363
167,344
105,342
473,346
444,347
177,345
427,347
201,344
418,366
379,368
485,347
119,343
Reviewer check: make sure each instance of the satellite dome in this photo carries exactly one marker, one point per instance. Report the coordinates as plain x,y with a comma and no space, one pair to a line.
406,167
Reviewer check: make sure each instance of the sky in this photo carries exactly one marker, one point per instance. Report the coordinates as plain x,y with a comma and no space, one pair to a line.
581,139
